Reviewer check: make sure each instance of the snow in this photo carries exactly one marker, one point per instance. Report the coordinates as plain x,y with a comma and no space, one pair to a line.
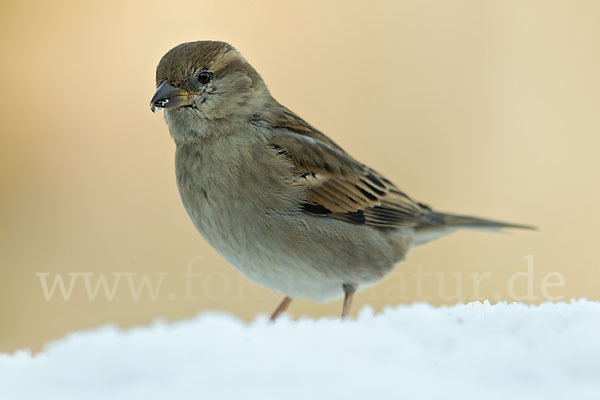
477,350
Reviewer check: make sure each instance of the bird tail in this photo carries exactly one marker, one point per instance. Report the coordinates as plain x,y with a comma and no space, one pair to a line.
464,221
449,223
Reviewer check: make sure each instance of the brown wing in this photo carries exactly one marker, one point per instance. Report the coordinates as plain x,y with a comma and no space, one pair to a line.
276,116
342,188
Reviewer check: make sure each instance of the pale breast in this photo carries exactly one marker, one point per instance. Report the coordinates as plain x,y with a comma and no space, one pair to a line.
242,201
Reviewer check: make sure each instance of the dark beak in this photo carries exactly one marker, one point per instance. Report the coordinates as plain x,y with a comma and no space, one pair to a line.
167,96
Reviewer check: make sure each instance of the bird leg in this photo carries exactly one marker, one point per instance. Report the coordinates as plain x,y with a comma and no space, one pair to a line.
348,294
282,306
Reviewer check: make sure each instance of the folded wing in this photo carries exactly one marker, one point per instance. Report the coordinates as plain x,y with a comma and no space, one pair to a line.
342,188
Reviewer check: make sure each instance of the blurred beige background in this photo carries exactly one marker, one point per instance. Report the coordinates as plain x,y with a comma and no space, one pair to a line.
484,107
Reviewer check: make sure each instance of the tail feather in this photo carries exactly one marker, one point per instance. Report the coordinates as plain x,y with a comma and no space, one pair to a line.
449,223
463,221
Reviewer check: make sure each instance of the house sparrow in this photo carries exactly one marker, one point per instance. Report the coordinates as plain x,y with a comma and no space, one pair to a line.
278,199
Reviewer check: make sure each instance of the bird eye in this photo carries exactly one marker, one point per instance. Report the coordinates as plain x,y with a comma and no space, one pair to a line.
204,77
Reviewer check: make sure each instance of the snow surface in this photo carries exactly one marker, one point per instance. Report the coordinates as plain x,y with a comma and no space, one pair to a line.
551,351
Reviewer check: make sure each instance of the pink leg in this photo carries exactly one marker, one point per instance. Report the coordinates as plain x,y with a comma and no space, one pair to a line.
348,295
282,306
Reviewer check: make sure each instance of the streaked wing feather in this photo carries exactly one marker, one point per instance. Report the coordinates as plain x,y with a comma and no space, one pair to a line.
342,188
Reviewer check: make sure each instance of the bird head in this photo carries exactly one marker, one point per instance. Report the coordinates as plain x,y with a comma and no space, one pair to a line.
204,81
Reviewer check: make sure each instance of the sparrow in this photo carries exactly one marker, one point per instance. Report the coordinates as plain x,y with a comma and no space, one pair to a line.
277,199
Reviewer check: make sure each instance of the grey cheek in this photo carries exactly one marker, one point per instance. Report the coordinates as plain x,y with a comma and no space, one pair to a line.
174,120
